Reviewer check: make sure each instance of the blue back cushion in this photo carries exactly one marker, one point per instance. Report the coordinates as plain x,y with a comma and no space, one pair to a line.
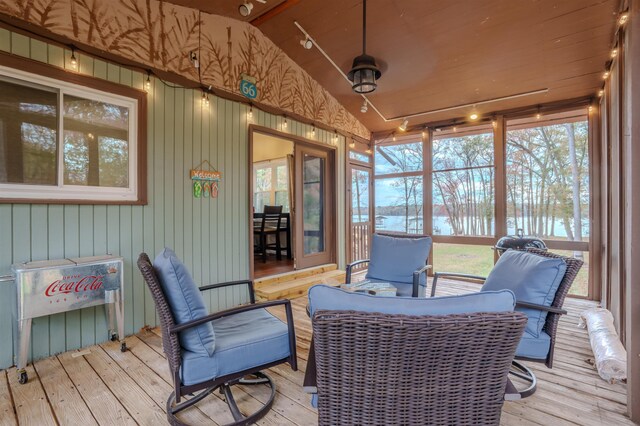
396,259
186,302
322,297
532,278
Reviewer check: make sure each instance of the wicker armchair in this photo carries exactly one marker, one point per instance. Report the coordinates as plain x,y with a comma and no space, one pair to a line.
383,369
554,312
171,333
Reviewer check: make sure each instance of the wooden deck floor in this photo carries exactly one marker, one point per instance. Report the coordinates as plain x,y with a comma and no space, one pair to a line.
101,385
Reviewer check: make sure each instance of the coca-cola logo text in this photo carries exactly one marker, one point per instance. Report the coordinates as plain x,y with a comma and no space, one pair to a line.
74,284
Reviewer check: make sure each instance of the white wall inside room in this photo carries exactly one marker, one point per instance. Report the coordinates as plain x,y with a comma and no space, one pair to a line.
266,147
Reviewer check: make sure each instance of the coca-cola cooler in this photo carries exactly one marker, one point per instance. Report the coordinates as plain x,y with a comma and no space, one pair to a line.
54,286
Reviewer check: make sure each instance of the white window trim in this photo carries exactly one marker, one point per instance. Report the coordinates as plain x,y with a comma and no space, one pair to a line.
60,191
273,165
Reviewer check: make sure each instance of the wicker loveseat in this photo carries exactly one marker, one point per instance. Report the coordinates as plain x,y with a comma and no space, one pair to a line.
445,361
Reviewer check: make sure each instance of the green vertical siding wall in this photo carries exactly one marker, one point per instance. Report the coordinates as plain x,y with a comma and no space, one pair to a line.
211,235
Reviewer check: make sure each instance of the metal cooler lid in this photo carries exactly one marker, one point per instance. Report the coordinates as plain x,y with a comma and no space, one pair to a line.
57,263
41,264
93,259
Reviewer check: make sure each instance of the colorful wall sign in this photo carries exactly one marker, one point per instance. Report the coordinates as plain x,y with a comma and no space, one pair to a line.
205,182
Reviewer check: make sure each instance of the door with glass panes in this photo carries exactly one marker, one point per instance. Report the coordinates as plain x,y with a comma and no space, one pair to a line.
314,218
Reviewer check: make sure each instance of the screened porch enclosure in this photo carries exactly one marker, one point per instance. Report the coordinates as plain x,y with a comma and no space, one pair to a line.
470,184
491,118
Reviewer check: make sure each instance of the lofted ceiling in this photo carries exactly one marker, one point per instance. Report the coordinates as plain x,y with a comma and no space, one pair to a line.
437,54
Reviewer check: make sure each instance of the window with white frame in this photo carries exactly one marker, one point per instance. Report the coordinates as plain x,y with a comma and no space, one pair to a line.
271,184
62,141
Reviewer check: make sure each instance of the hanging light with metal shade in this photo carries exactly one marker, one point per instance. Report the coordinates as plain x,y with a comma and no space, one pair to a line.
364,72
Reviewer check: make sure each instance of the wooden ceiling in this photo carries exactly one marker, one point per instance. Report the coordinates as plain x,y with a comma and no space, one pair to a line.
229,7
438,54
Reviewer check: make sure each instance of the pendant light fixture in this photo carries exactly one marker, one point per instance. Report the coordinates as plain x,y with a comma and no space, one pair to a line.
364,71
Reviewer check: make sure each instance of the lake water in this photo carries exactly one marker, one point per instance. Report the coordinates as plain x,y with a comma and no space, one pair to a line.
441,225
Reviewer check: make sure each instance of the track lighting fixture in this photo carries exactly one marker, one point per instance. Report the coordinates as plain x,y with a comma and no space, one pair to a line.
403,126
365,107
306,43
245,8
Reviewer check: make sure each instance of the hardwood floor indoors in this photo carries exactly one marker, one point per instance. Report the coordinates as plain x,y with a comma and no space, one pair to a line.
101,385
273,266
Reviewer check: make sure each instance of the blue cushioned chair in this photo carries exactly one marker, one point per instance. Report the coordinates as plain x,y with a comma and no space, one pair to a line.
400,260
540,281
215,351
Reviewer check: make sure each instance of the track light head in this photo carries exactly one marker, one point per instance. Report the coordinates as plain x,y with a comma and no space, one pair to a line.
245,9
306,43
365,107
403,126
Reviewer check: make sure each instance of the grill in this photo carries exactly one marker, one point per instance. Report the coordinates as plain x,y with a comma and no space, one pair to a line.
54,286
518,242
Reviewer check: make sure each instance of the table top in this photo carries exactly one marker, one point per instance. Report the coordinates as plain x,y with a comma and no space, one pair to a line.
373,288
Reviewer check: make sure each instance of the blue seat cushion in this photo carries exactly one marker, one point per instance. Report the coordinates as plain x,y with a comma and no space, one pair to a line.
534,347
532,278
396,259
243,341
322,297
186,302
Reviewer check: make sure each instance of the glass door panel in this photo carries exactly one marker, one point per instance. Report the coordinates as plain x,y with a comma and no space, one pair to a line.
313,209
312,219
361,226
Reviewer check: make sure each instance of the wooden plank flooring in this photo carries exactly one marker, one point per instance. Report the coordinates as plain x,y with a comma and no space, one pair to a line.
101,385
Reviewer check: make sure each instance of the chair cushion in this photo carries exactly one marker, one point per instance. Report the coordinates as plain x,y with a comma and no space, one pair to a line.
396,259
532,278
243,341
534,347
186,302
332,298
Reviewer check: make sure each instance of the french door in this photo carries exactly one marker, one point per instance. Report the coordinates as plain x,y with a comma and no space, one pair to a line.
314,210
360,212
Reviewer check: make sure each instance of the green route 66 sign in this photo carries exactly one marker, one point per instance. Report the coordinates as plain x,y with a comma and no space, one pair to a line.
248,87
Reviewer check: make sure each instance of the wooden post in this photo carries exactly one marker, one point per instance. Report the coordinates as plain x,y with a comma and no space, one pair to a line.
632,225
500,162
427,188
